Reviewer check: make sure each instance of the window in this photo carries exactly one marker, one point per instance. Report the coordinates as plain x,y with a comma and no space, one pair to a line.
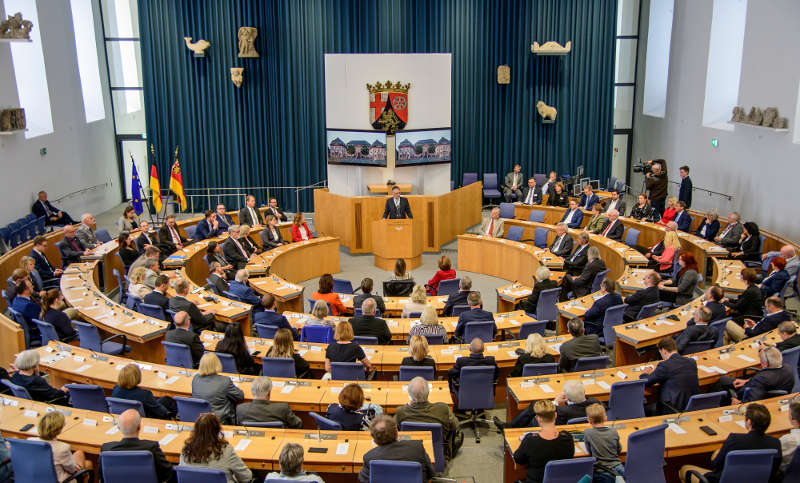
724,62
659,37
127,67
30,73
88,68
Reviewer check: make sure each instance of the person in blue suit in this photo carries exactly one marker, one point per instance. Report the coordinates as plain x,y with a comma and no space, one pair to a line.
239,287
773,376
573,217
208,228
588,198
777,278
46,270
685,192
23,304
709,226
270,317
593,319
474,314
223,220
682,217
676,377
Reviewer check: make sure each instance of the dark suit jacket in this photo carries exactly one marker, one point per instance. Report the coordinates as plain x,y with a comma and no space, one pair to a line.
685,191
537,195
474,315
529,305
371,326
684,221
165,243
68,253
264,411
582,284
392,212
233,255
455,298
199,321
220,285
157,298
577,219
711,229
268,241
774,283
39,389
143,240
163,467
204,230
749,303
592,200
245,293
358,301
677,377
789,343
640,298
554,199
43,265
246,219
767,323
695,333
270,317
187,337
406,450
566,246
571,411
277,212
223,222
454,373
740,441
596,313
575,263
718,311
616,231
572,350
768,379
39,210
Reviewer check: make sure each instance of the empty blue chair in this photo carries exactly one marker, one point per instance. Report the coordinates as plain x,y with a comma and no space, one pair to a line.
568,471
324,423
482,330
613,317
507,210
648,310
645,460
535,327
719,326
537,216
410,372
598,279
514,233
102,236
321,334
459,309
31,340
626,400
612,182
262,424
178,355
132,302
790,358
17,391
540,237
265,331
33,461
744,465
46,331
123,291
90,339
365,340
435,339
437,438
698,346
118,405
390,471
705,401
475,394
88,396
469,178
228,362
347,371
153,311
278,367
191,474
530,370
591,363
450,286
490,190
341,285
632,237
189,408
127,466
621,186
546,305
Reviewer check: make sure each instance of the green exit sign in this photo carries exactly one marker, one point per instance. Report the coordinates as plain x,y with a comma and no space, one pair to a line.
715,142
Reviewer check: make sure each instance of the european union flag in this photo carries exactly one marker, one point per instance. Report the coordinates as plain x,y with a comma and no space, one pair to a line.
136,191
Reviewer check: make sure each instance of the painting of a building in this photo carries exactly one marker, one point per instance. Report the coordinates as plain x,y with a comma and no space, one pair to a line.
377,150
336,149
420,147
356,147
443,149
405,150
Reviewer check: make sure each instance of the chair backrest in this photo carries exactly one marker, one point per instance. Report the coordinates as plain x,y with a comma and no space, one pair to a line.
365,340
791,357
489,181
591,363
789,285
705,401
88,396
32,461
132,302
228,362
324,423
17,391
390,471
347,371
317,333
612,181
127,466
118,405
435,339
447,287
469,178
582,420
476,387
540,237
748,465
568,471
598,279
398,288
632,237
482,330
410,372
232,296
546,305
341,285
719,326
265,331
46,331
262,424
698,346
89,336
189,408
102,236
23,322
620,186
210,284
514,233
645,461
177,355
537,216
437,438
530,370
535,327
612,318
626,400
154,311
278,367
648,310
123,293
507,210
459,309
191,474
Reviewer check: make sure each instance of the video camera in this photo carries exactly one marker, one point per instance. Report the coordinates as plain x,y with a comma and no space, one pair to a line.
641,167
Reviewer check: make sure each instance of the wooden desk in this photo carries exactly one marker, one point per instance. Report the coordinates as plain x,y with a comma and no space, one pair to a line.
503,258
728,274
386,189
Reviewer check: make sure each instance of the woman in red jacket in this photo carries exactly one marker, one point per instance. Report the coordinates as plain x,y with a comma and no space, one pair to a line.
325,292
300,231
445,273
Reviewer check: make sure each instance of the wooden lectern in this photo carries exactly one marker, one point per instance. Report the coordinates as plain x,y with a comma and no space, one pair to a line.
393,239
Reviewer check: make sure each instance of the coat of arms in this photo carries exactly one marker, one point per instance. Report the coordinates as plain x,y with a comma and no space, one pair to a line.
388,106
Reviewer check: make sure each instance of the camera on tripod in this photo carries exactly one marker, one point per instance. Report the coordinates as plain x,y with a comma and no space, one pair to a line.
641,167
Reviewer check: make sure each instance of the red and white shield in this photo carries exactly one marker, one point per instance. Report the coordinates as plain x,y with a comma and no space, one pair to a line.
377,104
399,102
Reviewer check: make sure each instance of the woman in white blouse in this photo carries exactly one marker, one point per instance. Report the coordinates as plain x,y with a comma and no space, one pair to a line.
418,301
137,288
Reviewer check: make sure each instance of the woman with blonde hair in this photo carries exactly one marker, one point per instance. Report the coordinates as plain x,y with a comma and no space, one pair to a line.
445,272
127,387
672,245
669,211
318,314
344,349
65,462
136,286
300,231
418,302
220,392
283,346
244,239
429,324
535,353
418,347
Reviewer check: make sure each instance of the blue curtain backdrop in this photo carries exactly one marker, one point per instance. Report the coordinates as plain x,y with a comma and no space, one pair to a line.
271,131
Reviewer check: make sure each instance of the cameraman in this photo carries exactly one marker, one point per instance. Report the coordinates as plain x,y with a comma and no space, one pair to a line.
656,183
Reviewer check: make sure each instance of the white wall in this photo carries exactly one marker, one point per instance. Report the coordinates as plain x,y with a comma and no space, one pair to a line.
759,168
78,154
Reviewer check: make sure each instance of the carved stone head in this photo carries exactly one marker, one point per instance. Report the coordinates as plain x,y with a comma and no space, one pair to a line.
237,76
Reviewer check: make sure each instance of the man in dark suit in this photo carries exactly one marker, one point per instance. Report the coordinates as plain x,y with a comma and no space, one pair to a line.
217,278
53,216
682,218
475,358
43,266
574,263
772,376
130,422
697,331
200,320
367,325
645,296
549,186
582,284
613,228
588,198
676,376
713,300
562,245
474,314
169,238
581,345
70,247
573,217
146,238
756,420
397,206
532,194
790,339
543,282
239,288
224,221
270,317
273,209
384,432
685,191
159,294
593,319
183,334
261,410
249,215
366,293
458,298
616,203
22,302
208,228
233,251
773,316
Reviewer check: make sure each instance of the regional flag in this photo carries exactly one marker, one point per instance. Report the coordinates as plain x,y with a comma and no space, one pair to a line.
155,187
136,190
176,185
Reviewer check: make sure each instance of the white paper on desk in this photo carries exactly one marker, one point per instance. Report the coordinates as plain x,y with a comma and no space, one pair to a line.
336,390
83,368
526,384
726,418
717,369
302,352
604,385
587,382
722,357
90,422
512,354
741,423
171,380
31,414
705,369
316,348
113,430
746,358
242,444
342,448
491,348
647,329
393,323
555,347
581,446
129,324
546,388
622,375
150,430
287,388
676,429
167,439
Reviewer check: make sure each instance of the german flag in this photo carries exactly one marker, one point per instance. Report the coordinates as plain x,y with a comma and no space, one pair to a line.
155,187
176,185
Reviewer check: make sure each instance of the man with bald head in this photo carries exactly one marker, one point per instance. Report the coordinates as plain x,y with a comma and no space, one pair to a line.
70,247
475,358
183,334
129,425
788,254
613,228
420,410
367,325
85,231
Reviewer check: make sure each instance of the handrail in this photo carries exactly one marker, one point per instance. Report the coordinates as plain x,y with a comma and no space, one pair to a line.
210,193
710,192
81,191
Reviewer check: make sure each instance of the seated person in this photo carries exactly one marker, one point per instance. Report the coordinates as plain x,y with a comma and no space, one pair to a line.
70,247
420,410
669,211
159,294
543,282
749,248
234,252
262,410
26,374
588,198
562,245
217,279
366,293
593,319
325,292
429,325
51,314
749,304
532,194
789,255
535,352
582,284
493,225
474,314
756,421
23,304
300,230
680,288
581,345
208,228
772,376
558,197
645,296
713,300
233,344
283,346
575,263
269,316
787,331
318,315
201,320
777,278
42,265
367,325
730,237
613,227
291,466
127,387
271,235
669,247
642,210
602,442
384,433
344,349
220,392
597,220
127,249
418,302
53,216
214,254
418,348
242,290
616,203
709,226
791,440
676,376
136,286
248,244
475,358
348,411
572,403
206,447
682,218
130,423
66,462
445,272
513,183
775,314
459,297
573,217
400,272
549,444
183,334
698,331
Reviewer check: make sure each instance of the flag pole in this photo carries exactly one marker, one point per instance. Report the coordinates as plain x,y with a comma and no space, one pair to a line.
153,153
145,199
164,208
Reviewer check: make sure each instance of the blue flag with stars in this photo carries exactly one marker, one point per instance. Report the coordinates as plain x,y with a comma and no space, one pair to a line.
136,191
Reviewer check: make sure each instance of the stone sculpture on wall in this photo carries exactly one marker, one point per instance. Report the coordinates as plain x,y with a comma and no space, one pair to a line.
247,35
199,47
547,112
551,48
503,74
237,76
16,28
738,114
12,119
769,117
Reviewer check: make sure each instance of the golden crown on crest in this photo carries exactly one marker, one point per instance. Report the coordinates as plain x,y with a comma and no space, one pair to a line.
388,86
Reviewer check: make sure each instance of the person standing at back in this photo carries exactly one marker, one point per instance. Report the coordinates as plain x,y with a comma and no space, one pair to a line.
656,183
685,192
